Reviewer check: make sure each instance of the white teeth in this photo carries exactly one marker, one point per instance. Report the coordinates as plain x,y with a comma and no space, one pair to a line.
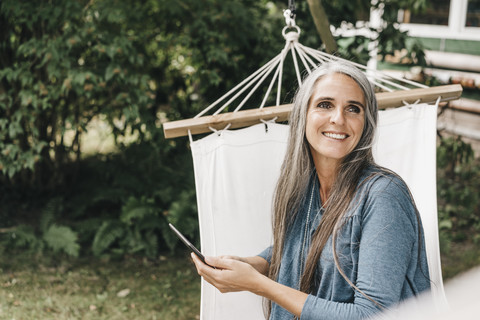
335,135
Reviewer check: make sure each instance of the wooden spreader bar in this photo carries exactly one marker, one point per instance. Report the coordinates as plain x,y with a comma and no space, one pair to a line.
250,117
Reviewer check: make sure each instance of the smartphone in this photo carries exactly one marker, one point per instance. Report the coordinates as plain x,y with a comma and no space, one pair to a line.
189,244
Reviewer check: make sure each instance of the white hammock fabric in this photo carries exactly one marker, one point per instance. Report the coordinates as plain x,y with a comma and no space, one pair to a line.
236,172
235,175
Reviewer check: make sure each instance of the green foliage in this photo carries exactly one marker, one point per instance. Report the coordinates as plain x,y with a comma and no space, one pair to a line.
458,191
134,232
206,47
64,64
123,201
61,238
106,235
340,11
24,237
47,235
391,41
180,214
132,65
160,195
138,228
354,48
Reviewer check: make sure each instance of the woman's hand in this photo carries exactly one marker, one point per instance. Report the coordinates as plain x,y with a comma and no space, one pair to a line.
259,263
232,274
247,274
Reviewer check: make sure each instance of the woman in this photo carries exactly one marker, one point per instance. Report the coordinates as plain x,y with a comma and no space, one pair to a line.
348,239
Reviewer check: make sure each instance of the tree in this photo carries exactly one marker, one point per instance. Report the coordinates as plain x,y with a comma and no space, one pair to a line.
323,25
390,39
124,62
62,66
132,64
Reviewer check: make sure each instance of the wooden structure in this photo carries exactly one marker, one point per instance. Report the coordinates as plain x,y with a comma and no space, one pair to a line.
250,117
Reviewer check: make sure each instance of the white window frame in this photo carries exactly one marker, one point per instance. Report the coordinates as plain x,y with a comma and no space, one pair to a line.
455,30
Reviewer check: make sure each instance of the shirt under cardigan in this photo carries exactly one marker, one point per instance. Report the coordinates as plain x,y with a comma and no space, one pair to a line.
379,250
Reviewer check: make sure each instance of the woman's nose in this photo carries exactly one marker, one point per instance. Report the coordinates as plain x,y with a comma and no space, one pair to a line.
337,116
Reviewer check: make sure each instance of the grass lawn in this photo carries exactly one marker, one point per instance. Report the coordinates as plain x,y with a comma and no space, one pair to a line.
35,287
46,287
459,258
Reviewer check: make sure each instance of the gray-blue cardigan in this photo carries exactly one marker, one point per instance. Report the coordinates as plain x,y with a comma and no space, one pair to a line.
379,250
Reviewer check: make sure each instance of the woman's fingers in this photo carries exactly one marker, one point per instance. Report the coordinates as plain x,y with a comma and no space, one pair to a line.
213,276
198,263
233,258
231,274
221,262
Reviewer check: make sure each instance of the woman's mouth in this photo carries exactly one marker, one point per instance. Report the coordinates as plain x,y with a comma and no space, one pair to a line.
336,136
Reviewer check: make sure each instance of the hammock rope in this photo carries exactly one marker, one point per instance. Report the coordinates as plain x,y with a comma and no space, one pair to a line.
308,59
302,57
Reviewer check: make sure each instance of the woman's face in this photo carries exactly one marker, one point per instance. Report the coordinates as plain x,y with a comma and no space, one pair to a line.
335,118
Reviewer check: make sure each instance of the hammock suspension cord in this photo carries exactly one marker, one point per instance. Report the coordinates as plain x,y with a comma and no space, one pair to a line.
309,58
305,59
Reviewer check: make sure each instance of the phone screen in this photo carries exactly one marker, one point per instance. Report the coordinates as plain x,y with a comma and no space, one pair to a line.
188,244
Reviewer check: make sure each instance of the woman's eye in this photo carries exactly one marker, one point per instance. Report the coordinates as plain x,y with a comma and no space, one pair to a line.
324,105
354,109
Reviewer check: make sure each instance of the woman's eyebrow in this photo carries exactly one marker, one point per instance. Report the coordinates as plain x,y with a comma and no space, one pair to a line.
323,98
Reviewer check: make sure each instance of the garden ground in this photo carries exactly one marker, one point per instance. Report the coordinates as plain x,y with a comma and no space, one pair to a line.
36,287
50,287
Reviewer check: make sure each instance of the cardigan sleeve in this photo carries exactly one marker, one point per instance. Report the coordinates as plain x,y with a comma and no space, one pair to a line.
266,254
389,238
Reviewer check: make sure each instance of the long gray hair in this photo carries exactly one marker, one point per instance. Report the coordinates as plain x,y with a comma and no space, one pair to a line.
298,166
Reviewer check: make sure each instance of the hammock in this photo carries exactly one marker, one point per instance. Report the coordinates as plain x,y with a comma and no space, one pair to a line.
236,170
396,91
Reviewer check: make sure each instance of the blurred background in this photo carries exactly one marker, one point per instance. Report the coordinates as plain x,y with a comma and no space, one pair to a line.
88,183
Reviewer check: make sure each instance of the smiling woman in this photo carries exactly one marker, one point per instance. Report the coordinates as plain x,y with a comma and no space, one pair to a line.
335,119
348,241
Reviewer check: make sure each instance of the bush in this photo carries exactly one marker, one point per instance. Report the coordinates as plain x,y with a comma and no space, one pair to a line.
63,65
45,234
119,204
66,63
458,191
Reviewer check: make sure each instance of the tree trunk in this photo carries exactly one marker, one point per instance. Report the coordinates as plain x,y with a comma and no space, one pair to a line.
322,24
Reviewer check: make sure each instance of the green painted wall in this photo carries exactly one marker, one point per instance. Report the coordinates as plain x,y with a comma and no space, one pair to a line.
449,45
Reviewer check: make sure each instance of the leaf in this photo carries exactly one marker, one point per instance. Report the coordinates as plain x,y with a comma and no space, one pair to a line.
48,213
61,238
445,224
137,209
3,124
106,235
11,171
24,236
102,296
111,71
79,78
14,129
